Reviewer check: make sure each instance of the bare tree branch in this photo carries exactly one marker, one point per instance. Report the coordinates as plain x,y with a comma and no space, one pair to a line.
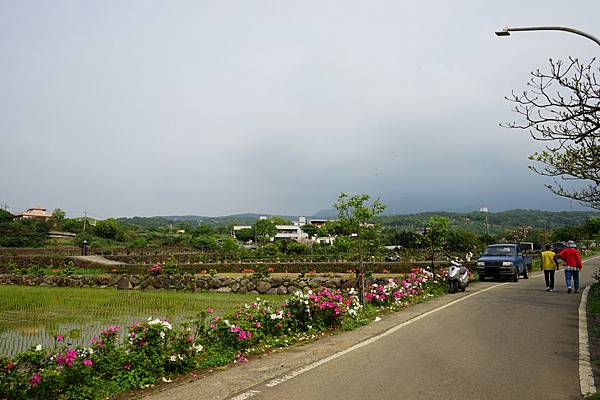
562,108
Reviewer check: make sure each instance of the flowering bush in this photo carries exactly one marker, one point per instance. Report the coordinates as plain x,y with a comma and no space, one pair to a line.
395,292
154,350
156,269
324,308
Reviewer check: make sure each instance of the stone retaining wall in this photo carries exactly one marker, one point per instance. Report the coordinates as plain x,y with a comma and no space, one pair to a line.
242,284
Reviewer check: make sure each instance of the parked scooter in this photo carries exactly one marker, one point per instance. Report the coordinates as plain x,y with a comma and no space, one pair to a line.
458,277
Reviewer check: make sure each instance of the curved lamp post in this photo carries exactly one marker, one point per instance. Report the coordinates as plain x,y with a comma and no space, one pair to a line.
506,31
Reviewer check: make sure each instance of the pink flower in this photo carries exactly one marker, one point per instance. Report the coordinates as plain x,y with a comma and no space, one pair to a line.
60,338
87,362
35,379
242,359
213,326
127,366
114,328
210,310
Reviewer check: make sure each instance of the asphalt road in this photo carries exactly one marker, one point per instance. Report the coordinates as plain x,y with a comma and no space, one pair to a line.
496,341
512,341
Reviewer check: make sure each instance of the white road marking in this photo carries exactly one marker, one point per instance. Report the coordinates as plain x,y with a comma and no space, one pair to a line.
586,375
246,395
373,339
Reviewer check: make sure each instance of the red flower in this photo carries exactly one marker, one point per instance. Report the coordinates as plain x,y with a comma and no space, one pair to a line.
35,379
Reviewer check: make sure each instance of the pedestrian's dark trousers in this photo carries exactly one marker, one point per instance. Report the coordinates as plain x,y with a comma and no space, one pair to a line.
549,276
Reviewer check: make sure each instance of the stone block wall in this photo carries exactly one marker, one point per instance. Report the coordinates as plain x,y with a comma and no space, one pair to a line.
242,284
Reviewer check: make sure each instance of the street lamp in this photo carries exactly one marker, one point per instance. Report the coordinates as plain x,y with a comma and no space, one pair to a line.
506,31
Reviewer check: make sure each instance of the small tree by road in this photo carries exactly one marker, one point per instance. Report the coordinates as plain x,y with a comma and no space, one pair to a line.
434,237
354,214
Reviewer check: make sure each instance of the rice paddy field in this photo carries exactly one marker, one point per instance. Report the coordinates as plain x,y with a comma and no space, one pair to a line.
34,315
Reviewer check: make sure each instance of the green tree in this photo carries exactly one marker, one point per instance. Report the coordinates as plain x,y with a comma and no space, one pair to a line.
279,220
354,214
296,248
57,218
73,225
435,237
23,233
205,243
5,216
268,250
203,230
460,241
108,229
229,247
245,235
592,227
264,229
311,230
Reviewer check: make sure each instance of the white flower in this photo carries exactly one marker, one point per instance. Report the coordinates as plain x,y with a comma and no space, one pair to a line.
165,380
180,356
377,319
198,347
38,347
173,359
161,334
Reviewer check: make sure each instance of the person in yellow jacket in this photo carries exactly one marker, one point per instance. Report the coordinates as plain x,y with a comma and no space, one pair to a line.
549,266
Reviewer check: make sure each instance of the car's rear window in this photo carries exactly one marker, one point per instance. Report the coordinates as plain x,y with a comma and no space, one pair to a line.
499,251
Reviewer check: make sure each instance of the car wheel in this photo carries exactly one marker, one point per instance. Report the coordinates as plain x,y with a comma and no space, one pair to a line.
515,277
525,274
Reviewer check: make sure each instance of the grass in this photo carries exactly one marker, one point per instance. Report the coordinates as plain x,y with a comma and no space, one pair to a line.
33,315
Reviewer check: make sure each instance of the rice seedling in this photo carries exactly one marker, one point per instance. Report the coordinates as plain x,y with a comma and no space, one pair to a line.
35,315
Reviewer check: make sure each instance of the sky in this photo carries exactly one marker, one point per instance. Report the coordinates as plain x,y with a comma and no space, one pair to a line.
123,108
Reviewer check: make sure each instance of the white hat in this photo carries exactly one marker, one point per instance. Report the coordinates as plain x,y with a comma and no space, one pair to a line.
571,243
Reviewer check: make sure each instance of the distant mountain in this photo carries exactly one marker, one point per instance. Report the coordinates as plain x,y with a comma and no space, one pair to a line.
475,221
497,222
329,213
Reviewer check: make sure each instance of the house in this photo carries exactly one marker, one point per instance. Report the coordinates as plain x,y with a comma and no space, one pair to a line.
293,232
34,213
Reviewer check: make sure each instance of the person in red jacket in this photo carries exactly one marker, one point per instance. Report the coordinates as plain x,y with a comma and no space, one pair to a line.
572,259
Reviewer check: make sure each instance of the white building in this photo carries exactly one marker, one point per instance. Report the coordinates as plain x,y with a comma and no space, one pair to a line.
293,231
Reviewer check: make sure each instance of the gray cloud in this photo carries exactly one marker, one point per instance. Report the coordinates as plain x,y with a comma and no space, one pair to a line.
219,107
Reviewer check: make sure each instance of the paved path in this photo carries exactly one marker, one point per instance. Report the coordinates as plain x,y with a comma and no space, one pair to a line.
97,259
498,341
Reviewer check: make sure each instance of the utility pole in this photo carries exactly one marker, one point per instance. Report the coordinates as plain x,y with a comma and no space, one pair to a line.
84,219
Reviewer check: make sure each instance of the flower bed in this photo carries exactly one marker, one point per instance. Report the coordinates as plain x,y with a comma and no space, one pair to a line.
154,350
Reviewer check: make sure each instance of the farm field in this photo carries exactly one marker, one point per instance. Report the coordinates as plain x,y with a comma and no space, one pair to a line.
34,315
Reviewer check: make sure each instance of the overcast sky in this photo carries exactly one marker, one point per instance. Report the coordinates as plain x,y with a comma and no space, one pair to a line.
126,108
